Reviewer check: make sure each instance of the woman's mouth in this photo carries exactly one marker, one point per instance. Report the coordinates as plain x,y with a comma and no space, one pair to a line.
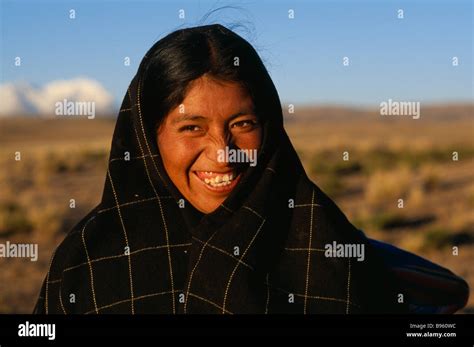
218,181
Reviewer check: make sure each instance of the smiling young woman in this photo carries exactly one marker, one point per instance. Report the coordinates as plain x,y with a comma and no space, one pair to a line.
178,230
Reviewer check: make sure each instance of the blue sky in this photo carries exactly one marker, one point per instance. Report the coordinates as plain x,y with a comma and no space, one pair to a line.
404,59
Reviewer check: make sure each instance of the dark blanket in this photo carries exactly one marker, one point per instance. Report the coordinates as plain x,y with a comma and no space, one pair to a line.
144,250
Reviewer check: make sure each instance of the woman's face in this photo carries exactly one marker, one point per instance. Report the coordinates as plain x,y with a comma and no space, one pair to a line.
213,115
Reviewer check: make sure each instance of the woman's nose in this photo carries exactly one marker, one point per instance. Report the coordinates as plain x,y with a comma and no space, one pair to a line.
217,144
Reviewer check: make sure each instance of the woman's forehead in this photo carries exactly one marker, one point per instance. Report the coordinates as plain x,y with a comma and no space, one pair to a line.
206,88
211,98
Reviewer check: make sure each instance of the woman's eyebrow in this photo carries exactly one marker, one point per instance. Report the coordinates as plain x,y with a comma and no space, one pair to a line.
187,117
194,117
246,112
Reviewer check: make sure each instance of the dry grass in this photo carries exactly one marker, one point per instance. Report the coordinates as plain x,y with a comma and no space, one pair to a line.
58,159
406,159
389,160
385,188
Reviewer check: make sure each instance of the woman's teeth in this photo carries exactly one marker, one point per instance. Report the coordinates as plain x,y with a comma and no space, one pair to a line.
219,180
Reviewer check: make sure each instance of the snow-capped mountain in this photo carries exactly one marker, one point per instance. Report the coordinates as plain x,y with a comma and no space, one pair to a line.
22,98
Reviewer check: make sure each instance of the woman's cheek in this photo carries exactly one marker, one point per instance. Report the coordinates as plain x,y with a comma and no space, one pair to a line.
185,151
251,140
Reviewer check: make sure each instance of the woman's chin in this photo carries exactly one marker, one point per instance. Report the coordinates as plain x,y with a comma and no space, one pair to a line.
208,207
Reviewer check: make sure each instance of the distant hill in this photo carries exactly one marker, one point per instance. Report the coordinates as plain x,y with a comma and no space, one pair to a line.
441,112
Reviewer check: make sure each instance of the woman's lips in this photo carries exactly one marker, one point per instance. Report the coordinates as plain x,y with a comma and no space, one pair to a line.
218,181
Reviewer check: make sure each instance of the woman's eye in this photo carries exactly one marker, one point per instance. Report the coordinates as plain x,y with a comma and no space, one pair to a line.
244,124
190,128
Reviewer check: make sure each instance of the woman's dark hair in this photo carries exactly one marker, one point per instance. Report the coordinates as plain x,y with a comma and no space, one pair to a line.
187,54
